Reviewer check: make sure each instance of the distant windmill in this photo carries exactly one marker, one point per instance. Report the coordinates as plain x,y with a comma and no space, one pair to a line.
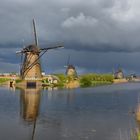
70,69
30,67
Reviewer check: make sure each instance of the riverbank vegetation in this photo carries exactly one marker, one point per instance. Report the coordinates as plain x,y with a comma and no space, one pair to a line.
18,80
3,80
62,79
89,80
65,81
86,80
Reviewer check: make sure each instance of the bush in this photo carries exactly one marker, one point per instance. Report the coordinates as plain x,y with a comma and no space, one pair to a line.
85,81
45,81
95,79
2,80
18,80
62,77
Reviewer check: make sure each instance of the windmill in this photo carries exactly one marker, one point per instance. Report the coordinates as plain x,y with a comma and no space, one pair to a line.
70,69
30,68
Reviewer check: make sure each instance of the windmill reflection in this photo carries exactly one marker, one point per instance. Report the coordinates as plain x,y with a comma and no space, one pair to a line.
29,106
30,101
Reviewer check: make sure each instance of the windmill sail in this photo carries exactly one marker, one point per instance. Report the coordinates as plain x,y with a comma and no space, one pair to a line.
35,33
31,67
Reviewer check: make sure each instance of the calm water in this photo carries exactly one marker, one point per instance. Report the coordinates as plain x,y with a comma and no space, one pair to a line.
102,113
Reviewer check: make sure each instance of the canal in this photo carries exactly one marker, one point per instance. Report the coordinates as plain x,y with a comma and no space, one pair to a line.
101,113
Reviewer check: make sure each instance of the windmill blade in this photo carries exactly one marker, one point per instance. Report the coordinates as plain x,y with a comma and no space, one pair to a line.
18,52
21,59
35,33
22,51
68,61
21,63
49,48
65,66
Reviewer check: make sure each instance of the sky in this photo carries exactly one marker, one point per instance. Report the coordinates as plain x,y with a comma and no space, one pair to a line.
98,35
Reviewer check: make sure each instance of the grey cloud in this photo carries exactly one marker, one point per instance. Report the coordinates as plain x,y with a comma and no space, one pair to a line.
114,23
99,34
81,20
8,67
55,60
103,62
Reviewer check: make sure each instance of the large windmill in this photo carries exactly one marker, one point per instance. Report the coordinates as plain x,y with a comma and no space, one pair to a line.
30,68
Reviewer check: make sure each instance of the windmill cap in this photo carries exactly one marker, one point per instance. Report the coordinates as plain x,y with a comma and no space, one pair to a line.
71,67
32,48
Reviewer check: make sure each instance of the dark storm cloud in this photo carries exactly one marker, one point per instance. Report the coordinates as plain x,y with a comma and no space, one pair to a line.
98,34
100,62
98,25
100,47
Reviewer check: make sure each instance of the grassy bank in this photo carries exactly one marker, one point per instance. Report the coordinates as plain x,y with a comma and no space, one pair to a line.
3,80
86,80
90,80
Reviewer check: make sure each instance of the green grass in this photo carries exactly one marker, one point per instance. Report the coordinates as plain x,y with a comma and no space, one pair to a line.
2,80
86,80
18,80
89,80
96,83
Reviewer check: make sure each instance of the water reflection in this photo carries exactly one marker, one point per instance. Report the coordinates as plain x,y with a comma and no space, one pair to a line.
102,113
29,106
